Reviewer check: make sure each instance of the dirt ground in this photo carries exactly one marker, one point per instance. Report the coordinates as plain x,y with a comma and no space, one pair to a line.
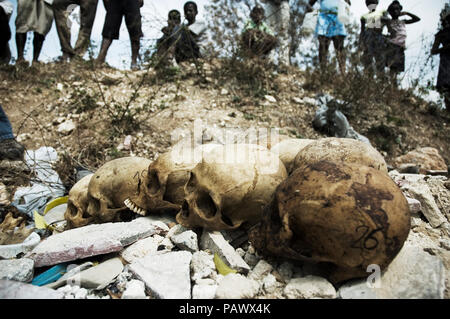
158,108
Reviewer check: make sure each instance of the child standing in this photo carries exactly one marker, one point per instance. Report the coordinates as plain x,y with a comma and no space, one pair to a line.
371,39
395,51
443,37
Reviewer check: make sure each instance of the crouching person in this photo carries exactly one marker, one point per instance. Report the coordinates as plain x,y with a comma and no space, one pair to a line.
257,38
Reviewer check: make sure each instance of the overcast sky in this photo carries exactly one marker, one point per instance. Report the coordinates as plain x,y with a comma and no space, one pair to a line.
155,12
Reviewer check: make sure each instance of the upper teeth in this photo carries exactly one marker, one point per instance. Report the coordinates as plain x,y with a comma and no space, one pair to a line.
134,207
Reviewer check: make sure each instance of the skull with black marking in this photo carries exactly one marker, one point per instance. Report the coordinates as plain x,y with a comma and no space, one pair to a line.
343,215
230,186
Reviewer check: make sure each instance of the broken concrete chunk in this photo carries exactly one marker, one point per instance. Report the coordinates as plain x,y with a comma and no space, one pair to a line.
261,269
309,287
236,286
358,289
17,269
135,289
216,243
91,240
141,248
100,276
202,265
11,251
186,240
166,275
204,291
10,289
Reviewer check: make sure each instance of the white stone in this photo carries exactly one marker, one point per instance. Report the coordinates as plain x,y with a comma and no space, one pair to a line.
422,193
166,275
186,240
270,98
414,205
81,294
202,265
270,283
175,230
10,289
11,251
261,269
135,289
204,291
216,243
141,248
66,127
309,287
17,269
91,240
236,286
224,92
358,289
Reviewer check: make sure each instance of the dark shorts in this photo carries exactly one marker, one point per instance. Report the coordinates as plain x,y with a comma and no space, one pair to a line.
395,58
118,9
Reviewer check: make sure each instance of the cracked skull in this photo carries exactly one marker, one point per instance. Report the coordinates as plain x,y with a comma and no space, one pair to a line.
342,216
230,186
340,149
111,187
163,185
76,212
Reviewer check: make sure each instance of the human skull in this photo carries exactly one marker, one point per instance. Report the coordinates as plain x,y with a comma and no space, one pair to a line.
163,185
76,212
111,186
340,149
288,149
230,186
344,215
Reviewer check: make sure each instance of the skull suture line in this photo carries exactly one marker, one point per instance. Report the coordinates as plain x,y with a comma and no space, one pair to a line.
163,185
343,215
112,184
76,212
230,186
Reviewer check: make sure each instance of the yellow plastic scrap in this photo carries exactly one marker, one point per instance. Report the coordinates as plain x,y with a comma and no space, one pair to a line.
56,202
39,221
222,268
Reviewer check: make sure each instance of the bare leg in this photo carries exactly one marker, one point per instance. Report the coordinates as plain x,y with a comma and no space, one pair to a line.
106,43
135,45
338,43
21,38
38,41
324,44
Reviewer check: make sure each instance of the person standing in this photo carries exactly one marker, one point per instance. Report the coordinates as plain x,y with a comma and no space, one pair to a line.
115,11
278,18
6,9
441,46
88,9
35,16
328,29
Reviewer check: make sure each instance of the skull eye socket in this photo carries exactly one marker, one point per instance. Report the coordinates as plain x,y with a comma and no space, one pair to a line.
153,182
206,205
72,209
185,209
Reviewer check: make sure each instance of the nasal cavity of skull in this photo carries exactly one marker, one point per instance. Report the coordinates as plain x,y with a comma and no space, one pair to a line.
73,210
185,209
190,186
153,182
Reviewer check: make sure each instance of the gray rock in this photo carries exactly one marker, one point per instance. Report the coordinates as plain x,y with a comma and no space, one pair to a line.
11,251
261,269
17,269
413,274
204,291
309,287
202,266
166,275
10,289
141,248
422,193
98,277
236,286
91,240
216,243
186,240
414,205
135,289
251,259
286,270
